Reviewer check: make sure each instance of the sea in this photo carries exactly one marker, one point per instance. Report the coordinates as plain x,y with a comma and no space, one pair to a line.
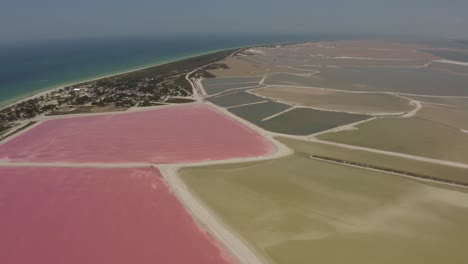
30,67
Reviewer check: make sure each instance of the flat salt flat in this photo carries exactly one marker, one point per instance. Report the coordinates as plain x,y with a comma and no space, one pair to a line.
230,80
234,99
377,159
216,89
412,81
447,115
243,66
219,85
257,112
294,210
450,67
453,55
460,103
305,121
414,136
339,101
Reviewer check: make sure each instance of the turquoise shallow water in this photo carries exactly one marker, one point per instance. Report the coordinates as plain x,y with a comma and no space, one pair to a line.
28,68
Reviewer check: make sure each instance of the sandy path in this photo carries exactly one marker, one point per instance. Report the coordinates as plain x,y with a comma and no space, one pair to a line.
390,153
197,93
453,62
413,102
311,72
232,242
279,113
254,103
389,172
197,87
389,67
366,58
351,126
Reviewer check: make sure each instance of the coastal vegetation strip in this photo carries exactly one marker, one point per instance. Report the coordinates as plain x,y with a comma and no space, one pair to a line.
144,87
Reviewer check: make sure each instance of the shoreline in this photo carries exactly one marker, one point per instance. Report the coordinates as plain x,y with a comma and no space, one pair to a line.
50,89
61,86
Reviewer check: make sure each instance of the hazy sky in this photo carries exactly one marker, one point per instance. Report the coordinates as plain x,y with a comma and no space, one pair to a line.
43,19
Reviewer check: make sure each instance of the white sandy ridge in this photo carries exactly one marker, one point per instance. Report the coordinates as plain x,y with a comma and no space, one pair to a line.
453,62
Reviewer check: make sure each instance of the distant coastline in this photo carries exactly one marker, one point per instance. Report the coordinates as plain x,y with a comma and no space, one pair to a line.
27,72
38,93
164,83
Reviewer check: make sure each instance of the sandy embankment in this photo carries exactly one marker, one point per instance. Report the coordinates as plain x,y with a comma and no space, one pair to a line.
453,62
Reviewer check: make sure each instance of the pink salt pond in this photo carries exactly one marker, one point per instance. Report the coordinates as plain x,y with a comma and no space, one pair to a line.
178,134
96,216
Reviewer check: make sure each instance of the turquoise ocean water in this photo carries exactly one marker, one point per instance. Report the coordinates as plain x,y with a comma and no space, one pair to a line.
28,68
